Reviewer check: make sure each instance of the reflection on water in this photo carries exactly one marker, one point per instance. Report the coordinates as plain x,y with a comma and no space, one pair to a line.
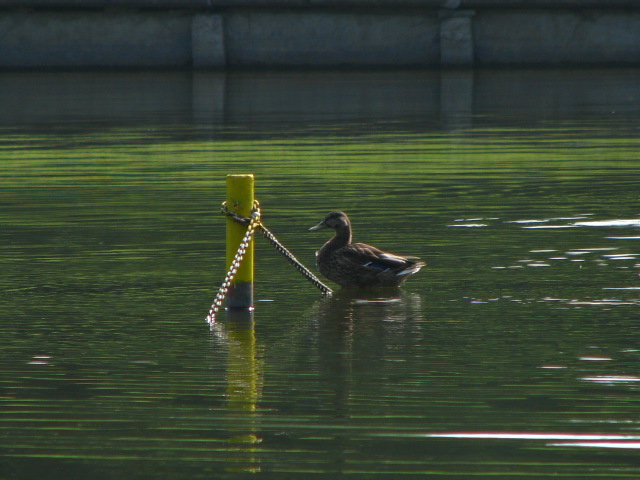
512,354
243,390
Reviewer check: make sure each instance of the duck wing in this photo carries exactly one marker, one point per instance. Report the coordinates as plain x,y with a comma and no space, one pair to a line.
368,256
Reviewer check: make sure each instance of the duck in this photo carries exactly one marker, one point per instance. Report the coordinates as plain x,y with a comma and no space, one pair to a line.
358,265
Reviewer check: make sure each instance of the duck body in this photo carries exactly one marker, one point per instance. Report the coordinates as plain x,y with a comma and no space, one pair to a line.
358,264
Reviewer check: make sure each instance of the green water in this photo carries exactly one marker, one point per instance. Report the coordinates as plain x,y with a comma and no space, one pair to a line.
514,354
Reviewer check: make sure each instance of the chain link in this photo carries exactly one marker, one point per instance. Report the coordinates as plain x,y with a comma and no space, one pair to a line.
254,222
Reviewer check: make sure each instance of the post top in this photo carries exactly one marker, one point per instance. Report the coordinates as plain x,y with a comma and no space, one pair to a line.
241,185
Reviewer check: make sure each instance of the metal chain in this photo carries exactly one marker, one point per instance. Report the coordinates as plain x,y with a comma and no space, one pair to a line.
266,233
253,222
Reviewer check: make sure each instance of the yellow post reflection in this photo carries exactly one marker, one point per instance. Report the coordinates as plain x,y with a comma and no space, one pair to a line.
243,391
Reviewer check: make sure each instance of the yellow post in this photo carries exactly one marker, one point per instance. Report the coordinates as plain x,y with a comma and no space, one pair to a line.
240,201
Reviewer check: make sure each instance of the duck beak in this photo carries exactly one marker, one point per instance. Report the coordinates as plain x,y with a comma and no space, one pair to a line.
319,226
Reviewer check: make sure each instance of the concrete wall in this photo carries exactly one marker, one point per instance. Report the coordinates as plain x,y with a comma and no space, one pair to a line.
317,33
316,38
566,36
309,4
95,39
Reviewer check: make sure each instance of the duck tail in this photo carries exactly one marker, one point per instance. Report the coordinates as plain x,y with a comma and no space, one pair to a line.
412,268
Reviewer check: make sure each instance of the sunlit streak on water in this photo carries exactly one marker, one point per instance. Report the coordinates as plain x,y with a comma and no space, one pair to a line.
610,223
532,436
577,440
604,301
626,445
469,225
613,379
541,227
617,223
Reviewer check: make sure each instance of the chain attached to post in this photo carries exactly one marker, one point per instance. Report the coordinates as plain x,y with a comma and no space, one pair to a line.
254,222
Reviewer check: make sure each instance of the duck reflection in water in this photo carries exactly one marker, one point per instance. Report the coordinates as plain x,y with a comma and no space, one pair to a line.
358,333
358,264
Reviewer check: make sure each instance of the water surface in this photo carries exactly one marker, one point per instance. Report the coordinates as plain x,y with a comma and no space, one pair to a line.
513,354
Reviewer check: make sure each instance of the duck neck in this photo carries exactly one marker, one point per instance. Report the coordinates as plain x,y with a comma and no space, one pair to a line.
342,238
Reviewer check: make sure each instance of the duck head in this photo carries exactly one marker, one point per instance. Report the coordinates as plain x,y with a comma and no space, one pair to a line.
335,220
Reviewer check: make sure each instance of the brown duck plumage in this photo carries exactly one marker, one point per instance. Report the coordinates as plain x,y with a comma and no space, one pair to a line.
358,264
